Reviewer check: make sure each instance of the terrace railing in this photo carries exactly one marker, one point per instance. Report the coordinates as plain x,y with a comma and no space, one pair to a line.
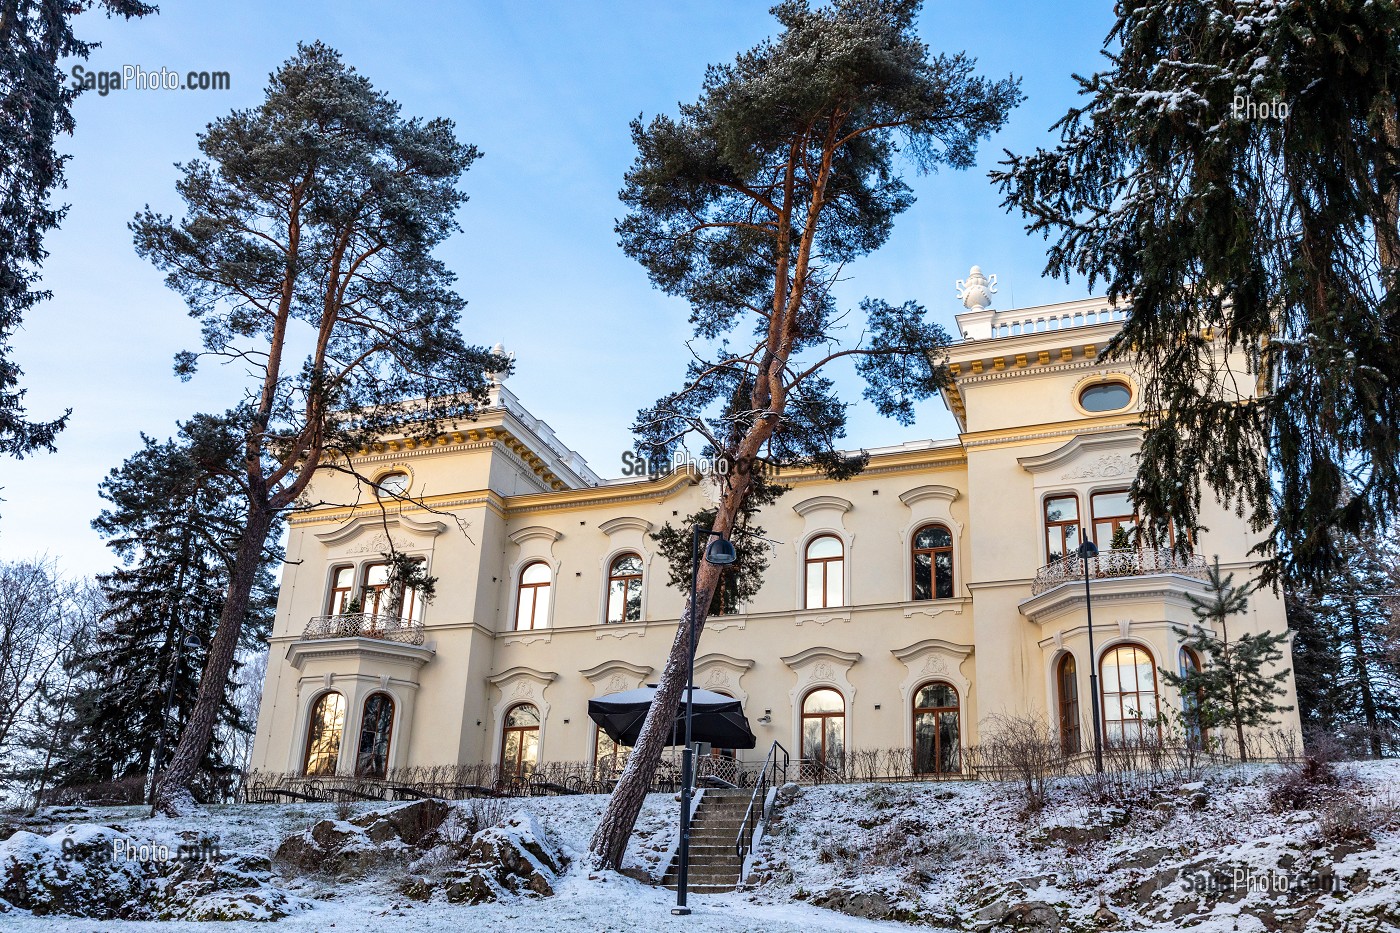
364,625
1120,562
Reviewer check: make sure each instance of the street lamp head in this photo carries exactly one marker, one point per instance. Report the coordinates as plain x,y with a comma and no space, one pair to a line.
721,553
192,643
1088,549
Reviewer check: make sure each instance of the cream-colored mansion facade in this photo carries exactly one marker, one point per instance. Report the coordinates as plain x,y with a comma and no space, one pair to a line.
901,608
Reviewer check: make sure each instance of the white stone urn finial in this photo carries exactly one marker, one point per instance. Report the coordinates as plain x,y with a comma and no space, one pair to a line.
499,349
976,290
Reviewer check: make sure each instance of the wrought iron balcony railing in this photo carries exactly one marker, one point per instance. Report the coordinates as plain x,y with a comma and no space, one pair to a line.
364,625
1125,562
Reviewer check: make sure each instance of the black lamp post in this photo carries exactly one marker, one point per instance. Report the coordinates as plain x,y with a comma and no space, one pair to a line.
1087,550
720,553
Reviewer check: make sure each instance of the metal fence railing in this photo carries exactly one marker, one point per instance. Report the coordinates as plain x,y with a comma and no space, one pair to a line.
1121,562
364,625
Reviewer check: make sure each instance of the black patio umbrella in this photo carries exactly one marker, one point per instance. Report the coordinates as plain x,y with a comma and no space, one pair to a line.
719,719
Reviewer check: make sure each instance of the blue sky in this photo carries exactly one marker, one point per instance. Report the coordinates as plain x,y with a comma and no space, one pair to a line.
546,90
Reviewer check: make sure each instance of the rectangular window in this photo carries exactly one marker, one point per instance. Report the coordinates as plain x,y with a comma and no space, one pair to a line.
1113,511
1061,527
376,588
342,590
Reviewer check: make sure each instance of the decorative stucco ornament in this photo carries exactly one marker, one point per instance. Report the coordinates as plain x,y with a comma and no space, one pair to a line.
976,290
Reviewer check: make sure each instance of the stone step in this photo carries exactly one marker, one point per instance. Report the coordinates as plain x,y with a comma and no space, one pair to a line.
704,877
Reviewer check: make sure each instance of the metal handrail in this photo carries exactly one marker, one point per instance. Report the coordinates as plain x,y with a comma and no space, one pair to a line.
365,625
1119,562
743,844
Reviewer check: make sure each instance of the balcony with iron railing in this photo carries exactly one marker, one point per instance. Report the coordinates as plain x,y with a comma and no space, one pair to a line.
1119,562
364,625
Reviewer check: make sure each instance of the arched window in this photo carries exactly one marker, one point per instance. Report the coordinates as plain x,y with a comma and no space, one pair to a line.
532,601
608,756
824,728
376,729
1061,527
1188,662
826,572
323,731
1129,695
1112,510
342,590
937,746
933,563
625,589
520,741
1067,686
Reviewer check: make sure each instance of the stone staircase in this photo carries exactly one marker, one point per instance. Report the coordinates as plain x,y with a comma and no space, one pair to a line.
714,866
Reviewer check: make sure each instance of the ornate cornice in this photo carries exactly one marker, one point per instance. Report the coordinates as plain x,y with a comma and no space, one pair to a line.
636,670
931,491
520,670
830,654
1069,429
625,523
913,651
816,503
1081,444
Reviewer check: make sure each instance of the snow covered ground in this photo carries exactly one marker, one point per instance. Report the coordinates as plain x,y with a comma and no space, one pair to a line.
1208,855
943,854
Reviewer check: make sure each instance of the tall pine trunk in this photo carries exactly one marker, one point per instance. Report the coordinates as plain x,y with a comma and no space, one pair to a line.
173,794
609,842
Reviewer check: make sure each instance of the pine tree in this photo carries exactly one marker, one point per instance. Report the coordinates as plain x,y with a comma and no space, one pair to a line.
35,107
750,205
1231,689
317,211
1233,177
170,520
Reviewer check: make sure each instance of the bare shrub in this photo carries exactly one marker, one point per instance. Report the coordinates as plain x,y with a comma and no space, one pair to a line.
1023,749
1344,817
1306,785
344,809
483,812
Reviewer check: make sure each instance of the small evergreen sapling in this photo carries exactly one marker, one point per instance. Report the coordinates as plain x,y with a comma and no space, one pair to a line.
1231,688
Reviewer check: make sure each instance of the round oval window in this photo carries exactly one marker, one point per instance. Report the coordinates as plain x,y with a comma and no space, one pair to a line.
1106,396
392,484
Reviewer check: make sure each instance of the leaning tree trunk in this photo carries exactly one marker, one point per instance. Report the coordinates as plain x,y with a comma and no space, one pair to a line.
615,829
173,795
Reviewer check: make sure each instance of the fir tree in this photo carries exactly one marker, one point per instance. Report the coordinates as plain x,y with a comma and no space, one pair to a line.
1350,679
1231,689
749,205
1239,237
35,107
171,517
1317,667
